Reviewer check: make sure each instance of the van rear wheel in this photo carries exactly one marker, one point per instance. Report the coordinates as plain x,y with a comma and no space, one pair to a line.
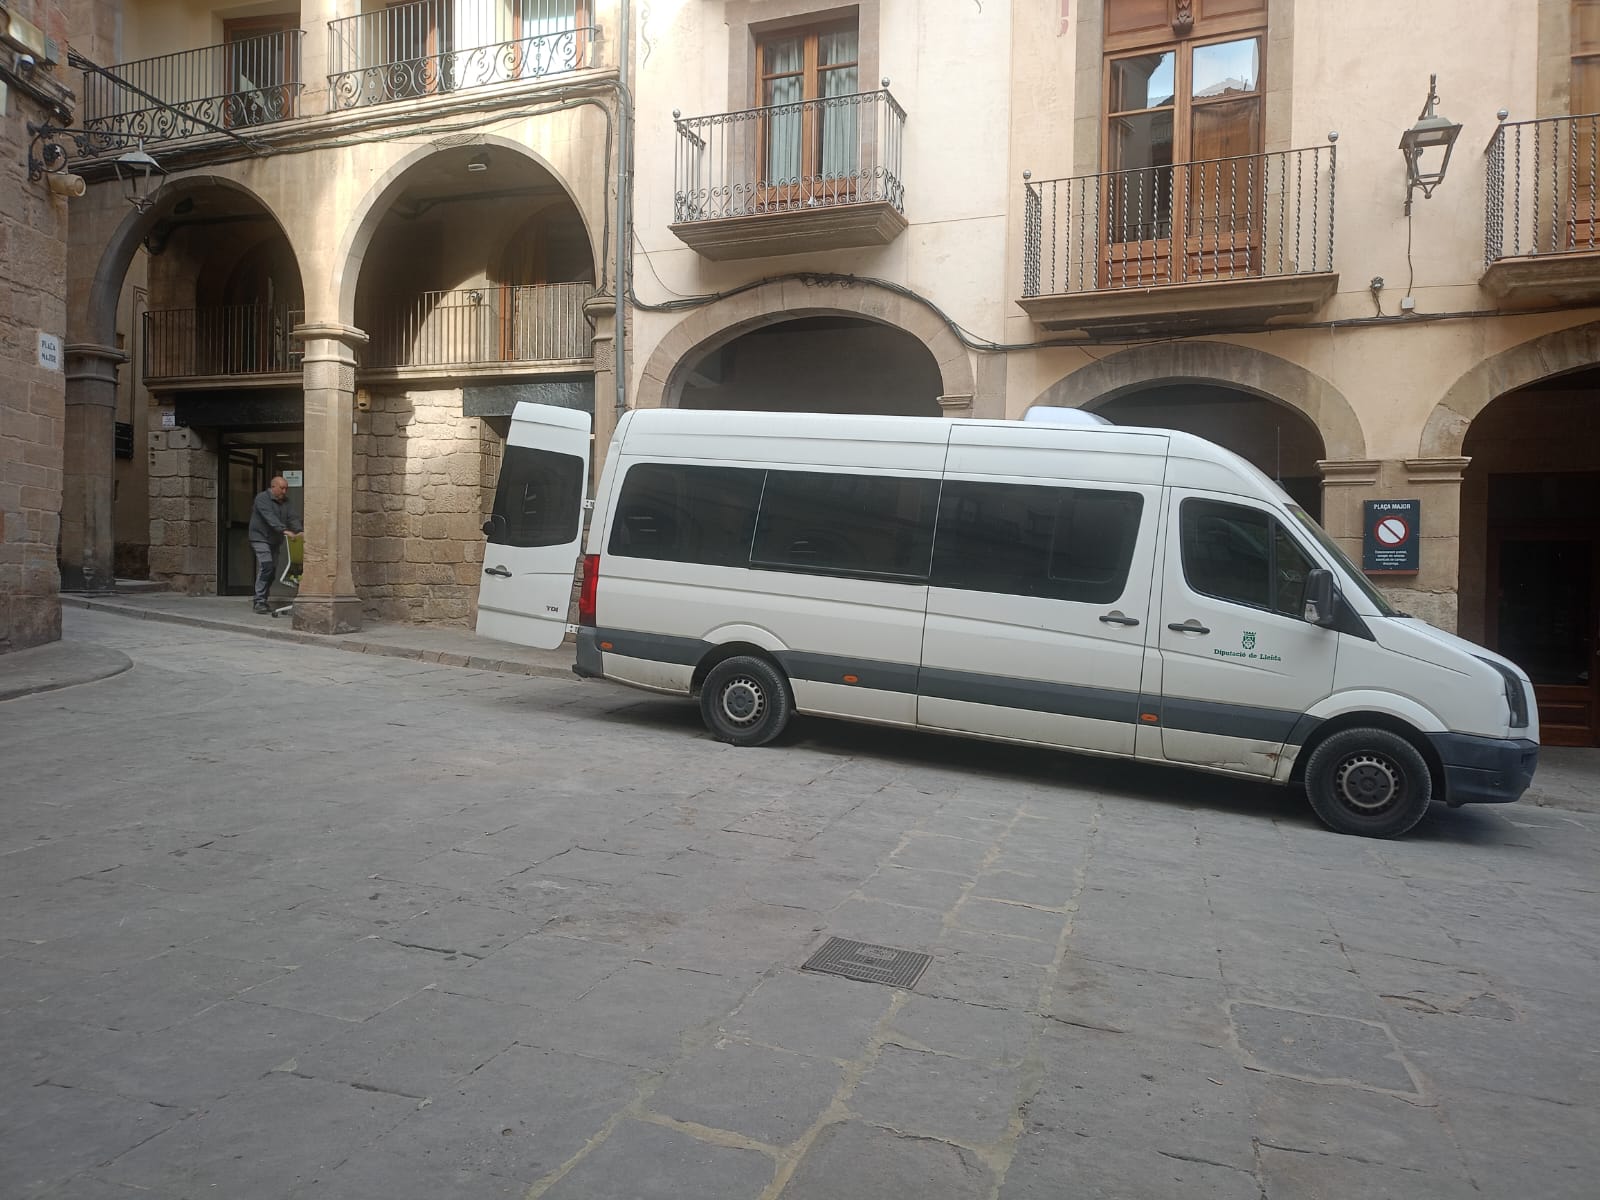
1368,782
745,701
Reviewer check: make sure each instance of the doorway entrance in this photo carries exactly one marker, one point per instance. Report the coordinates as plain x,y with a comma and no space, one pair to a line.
247,462
1543,603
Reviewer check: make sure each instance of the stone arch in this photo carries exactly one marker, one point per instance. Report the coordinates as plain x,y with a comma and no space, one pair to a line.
723,320
1250,370
105,288
374,206
1553,354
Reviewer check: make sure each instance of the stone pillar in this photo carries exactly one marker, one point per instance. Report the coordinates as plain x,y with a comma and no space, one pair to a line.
327,602
1432,593
602,312
88,529
1435,595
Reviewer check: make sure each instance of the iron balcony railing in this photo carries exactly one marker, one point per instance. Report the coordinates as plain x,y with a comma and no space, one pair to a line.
251,81
429,47
485,326
1542,192
233,339
796,157
1245,217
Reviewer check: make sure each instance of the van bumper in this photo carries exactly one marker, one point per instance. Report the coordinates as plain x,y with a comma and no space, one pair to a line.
1481,770
588,664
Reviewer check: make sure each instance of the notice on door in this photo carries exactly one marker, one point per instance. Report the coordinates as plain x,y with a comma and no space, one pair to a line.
1390,534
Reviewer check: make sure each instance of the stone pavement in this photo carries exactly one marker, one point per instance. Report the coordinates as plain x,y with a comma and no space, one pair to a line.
283,922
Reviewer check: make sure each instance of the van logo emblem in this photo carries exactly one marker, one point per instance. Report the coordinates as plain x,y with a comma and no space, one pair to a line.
1249,640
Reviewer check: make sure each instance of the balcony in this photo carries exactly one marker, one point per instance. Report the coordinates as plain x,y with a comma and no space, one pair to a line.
491,331
791,178
243,343
246,82
1542,212
433,47
1220,243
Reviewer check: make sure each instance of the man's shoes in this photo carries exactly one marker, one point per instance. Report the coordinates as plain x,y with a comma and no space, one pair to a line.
260,607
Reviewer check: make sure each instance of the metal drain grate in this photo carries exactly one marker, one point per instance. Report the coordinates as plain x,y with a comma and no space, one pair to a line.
868,963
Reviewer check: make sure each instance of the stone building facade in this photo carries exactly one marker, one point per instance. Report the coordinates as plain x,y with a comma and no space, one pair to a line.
1187,214
33,325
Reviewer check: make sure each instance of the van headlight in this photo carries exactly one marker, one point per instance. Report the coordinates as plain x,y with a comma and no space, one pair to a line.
1516,695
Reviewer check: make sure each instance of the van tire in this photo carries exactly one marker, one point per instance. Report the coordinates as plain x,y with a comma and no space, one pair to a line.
745,701
1369,782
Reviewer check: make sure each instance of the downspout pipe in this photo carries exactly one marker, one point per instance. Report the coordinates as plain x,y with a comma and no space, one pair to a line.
624,233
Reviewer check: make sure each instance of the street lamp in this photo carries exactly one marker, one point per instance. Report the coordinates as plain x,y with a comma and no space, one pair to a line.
136,169
1432,132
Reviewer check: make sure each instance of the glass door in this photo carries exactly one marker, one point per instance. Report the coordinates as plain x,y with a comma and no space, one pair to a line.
1544,618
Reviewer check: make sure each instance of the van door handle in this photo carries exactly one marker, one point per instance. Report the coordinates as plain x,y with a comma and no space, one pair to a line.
500,571
1115,618
1189,626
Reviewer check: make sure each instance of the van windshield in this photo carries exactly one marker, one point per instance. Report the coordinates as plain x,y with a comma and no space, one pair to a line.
1354,576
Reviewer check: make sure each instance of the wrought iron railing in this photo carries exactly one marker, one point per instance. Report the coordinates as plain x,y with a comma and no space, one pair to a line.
1542,191
251,81
233,339
791,158
1245,217
429,47
483,326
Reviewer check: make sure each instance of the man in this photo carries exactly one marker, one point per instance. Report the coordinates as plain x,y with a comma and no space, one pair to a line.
270,519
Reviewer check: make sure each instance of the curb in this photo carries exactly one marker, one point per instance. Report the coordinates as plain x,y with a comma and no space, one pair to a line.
343,642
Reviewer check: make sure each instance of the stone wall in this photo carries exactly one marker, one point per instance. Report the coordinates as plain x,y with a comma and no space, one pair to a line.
183,510
418,546
33,299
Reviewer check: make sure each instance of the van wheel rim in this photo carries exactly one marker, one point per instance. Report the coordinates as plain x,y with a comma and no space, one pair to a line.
1368,784
743,701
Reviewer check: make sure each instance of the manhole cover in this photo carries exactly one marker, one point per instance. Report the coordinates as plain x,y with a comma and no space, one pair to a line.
868,963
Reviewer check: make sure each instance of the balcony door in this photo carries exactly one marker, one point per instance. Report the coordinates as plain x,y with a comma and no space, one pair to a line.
420,48
1183,192
1583,220
808,121
261,67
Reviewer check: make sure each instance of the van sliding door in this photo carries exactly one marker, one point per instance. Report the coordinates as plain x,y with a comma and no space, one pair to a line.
1039,609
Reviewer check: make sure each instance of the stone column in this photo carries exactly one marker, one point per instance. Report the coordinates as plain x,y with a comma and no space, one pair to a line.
88,530
327,602
1435,594
1345,484
602,311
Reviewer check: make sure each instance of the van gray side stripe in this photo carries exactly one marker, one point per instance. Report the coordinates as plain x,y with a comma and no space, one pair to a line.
831,668
1230,720
1033,695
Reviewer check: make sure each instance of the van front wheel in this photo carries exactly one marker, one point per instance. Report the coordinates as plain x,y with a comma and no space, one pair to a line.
745,701
1368,782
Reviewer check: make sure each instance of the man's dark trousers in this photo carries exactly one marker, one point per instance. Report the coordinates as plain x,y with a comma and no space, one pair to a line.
264,572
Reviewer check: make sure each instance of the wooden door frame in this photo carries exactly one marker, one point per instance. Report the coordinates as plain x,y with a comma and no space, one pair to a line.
1159,251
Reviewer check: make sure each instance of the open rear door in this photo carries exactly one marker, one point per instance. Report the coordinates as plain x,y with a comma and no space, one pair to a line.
535,529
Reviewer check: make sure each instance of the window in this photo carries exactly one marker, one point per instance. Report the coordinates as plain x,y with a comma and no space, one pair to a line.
806,81
1183,120
420,40
1244,556
539,499
687,514
1061,543
263,68
846,524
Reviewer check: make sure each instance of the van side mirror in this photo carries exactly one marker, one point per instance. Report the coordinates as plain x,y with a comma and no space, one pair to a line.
1320,597
495,528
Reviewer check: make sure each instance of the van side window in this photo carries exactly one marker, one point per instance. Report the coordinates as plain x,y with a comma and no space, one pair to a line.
846,524
1242,555
540,495
687,514
1023,540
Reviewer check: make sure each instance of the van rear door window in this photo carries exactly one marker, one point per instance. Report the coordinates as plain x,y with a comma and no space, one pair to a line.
540,497
1025,540
689,514
873,525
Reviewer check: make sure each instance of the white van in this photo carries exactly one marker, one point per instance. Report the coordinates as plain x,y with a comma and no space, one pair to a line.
1130,592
